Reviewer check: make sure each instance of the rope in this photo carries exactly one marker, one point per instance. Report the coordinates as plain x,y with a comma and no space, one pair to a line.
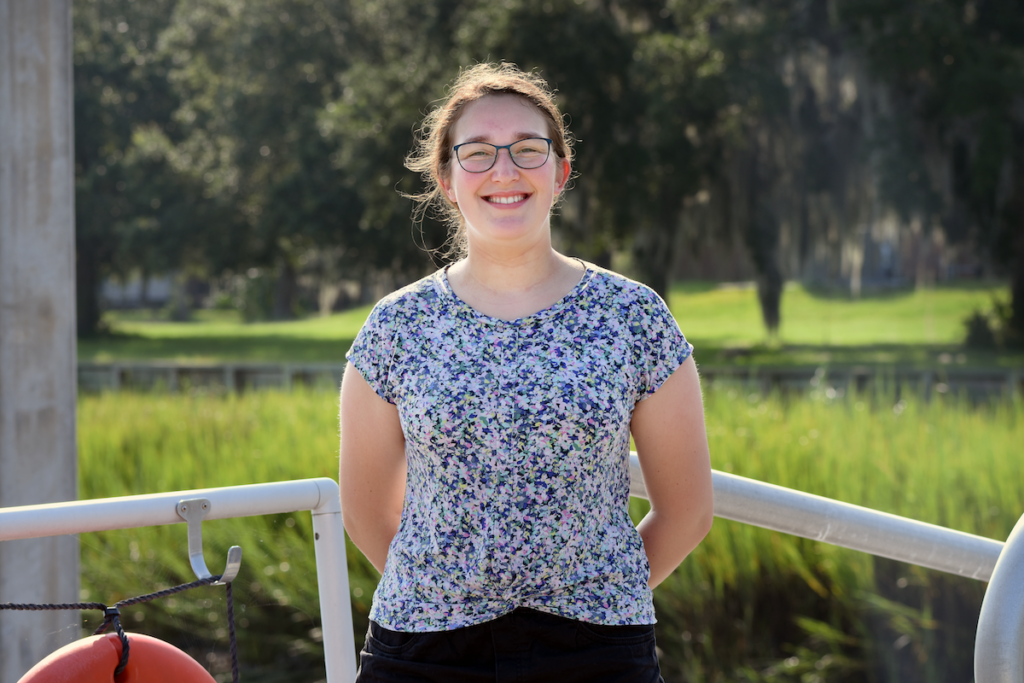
231,634
112,616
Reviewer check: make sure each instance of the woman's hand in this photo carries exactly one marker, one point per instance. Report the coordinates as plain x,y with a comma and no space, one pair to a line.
672,445
372,471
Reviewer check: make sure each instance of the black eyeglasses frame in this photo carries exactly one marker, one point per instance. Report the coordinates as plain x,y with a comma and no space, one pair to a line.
497,149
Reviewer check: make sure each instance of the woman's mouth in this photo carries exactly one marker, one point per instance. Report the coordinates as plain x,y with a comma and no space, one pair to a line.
506,199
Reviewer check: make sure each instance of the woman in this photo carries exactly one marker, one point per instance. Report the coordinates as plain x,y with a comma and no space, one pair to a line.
485,423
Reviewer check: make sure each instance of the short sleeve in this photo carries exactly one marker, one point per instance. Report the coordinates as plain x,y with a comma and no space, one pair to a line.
662,346
374,348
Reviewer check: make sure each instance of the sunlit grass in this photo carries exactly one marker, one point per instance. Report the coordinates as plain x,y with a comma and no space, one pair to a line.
731,316
906,328
215,336
227,323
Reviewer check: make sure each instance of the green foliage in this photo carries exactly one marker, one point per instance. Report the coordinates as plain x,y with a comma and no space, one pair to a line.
215,136
257,297
280,129
979,332
251,78
991,329
197,143
748,605
122,196
956,74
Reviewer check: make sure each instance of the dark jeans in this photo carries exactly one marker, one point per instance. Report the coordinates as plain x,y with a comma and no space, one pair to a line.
520,647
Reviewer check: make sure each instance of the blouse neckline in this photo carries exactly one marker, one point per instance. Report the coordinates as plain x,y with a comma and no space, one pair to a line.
453,298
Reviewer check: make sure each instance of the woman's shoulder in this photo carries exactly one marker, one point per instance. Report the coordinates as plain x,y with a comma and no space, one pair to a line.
416,299
620,289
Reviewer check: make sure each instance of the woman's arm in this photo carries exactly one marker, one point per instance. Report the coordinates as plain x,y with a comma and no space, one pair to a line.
672,445
372,471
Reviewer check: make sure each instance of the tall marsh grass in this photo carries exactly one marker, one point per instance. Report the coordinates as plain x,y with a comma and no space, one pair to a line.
764,606
748,605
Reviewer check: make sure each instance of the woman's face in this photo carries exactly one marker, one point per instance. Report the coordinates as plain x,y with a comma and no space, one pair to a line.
506,204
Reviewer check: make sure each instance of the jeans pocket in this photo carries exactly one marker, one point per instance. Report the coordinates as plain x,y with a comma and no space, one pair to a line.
380,640
633,634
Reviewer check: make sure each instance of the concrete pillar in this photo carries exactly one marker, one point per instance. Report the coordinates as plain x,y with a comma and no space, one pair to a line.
37,321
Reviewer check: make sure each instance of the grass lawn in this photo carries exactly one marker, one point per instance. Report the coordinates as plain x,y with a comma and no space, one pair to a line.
899,328
221,335
724,323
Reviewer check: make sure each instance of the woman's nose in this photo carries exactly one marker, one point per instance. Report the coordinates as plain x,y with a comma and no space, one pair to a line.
504,168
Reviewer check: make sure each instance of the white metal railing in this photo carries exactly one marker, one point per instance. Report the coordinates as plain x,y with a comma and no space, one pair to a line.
999,650
999,643
849,526
320,496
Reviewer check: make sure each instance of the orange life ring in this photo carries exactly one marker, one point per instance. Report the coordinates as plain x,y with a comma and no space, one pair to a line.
93,660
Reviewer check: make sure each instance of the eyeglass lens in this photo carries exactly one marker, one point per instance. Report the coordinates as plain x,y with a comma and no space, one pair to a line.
477,157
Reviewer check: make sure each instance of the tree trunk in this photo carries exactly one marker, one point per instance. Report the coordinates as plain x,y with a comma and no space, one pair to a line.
1015,334
144,288
1014,224
327,297
652,254
87,292
179,305
762,237
284,293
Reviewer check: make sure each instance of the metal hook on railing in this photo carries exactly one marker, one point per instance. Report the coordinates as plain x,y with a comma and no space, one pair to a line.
192,511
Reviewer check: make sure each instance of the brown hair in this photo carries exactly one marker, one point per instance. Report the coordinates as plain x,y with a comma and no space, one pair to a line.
432,156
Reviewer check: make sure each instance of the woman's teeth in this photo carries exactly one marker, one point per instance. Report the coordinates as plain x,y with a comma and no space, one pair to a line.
507,200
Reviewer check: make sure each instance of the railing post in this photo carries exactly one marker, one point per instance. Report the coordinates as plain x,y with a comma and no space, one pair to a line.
332,579
999,645
230,381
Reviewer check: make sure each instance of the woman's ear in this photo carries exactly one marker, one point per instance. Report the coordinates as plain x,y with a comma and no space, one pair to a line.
447,189
562,175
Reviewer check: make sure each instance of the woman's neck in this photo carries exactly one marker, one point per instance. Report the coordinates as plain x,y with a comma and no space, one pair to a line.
511,288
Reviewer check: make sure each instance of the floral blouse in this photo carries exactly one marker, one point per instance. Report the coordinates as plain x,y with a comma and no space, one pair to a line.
517,448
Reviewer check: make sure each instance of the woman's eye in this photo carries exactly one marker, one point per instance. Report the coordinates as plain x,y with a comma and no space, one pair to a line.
478,154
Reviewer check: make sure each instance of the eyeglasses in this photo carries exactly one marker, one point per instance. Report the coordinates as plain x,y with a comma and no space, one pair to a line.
478,157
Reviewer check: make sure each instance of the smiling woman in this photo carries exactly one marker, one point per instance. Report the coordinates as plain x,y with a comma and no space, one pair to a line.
505,207
433,155
486,416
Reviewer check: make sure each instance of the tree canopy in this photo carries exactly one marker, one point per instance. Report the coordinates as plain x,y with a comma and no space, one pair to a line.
217,136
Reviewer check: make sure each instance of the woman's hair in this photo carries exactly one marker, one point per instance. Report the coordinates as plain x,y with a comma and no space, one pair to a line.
432,156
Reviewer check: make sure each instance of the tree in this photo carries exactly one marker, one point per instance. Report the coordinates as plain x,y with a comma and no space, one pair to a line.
401,60
193,154
217,137
120,87
956,70
251,80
